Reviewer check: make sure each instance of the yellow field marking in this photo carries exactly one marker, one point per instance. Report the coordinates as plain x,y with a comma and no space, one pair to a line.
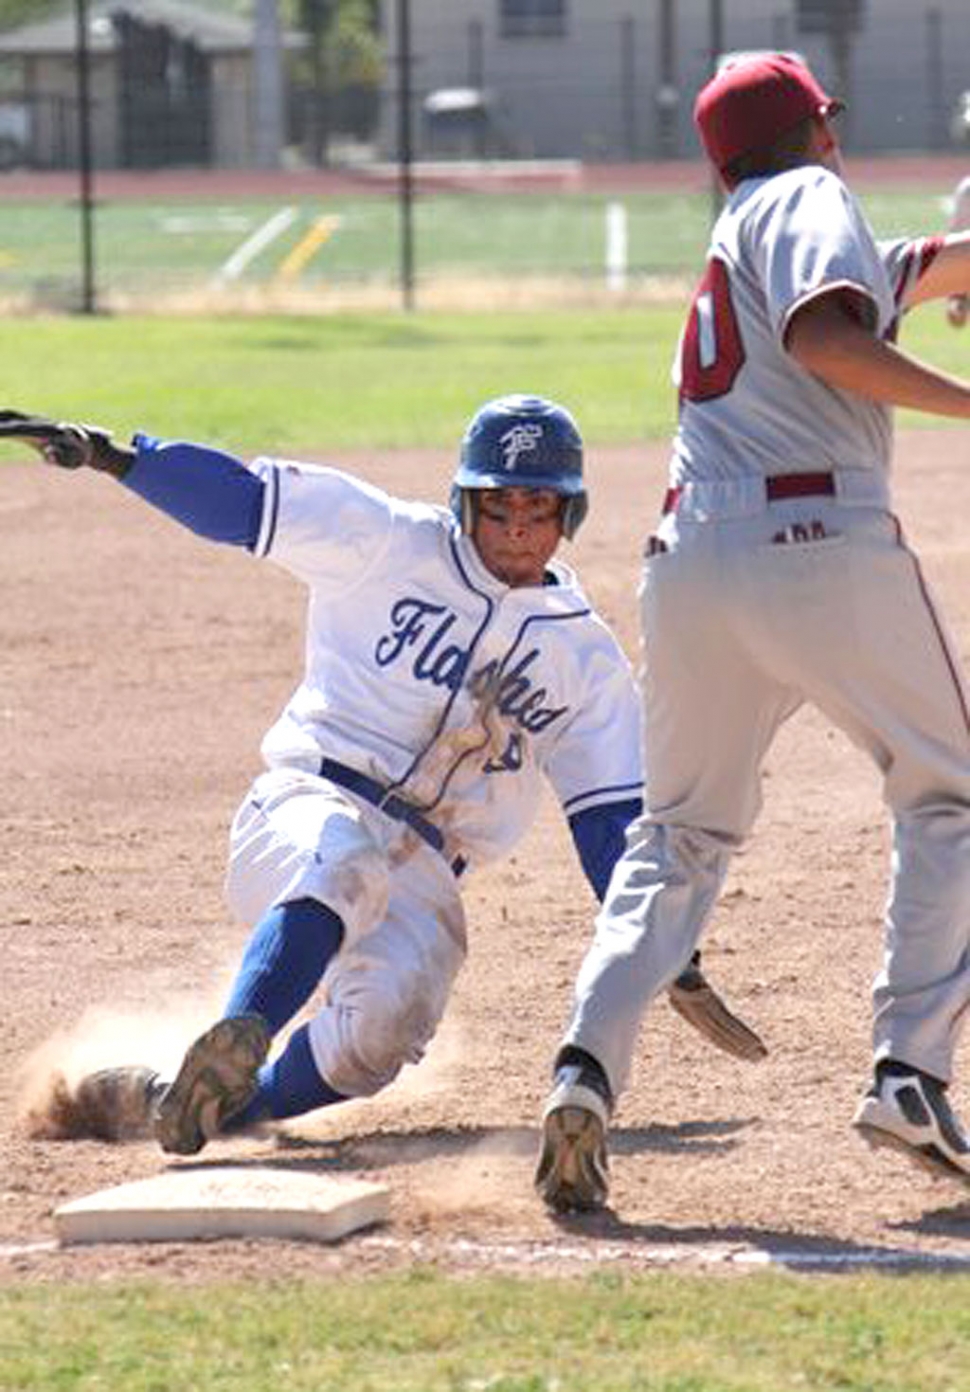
307,246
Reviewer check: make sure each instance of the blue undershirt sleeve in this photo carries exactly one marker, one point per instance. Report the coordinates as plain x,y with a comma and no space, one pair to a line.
211,493
599,834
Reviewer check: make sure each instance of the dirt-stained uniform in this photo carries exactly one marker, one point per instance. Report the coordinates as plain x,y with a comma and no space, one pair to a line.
453,667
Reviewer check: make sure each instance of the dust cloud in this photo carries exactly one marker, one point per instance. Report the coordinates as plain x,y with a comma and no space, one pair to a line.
102,1038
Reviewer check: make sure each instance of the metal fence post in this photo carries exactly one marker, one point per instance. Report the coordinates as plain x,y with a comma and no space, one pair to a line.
716,43
85,161
405,151
269,135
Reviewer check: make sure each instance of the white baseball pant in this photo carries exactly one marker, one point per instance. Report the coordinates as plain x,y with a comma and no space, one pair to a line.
296,836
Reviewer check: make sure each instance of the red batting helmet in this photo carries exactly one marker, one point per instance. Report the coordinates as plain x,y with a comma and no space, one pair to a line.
751,102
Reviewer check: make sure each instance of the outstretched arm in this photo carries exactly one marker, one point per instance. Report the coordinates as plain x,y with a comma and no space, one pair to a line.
827,338
207,490
211,492
948,272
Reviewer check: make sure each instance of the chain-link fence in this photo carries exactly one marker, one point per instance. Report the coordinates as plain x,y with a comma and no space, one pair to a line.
550,151
316,242
595,80
615,79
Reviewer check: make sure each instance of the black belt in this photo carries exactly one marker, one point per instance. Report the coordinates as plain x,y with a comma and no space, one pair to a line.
777,488
391,804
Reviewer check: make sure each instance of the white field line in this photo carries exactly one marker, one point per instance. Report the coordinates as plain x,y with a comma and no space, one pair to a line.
14,1250
536,1255
533,1256
233,267
617,242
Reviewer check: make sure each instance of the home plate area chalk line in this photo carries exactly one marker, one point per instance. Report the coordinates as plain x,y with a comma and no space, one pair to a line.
198,1203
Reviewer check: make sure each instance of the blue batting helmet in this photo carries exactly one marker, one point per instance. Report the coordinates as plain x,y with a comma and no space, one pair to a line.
521,442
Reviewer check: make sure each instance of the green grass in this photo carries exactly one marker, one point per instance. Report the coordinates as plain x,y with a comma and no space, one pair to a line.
424,1332
372,381
344,381
471,234
150,247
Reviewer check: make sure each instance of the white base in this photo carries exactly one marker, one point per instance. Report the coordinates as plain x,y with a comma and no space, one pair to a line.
199,1202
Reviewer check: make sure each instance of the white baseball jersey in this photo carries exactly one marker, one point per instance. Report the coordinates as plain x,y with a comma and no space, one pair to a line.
426,673
433,700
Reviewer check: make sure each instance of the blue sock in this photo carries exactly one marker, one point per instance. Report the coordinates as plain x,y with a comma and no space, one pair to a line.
288,1087
285,958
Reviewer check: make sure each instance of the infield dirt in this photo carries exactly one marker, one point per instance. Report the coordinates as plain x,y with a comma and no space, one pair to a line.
139,668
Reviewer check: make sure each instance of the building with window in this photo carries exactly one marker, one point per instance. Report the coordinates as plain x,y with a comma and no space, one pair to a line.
532,19
171,83
615,79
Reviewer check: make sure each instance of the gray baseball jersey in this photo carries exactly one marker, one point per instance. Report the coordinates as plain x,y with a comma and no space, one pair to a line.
779,575
960,214
747,408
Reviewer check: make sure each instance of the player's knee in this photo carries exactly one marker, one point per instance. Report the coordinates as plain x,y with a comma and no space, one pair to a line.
373,1037
672,852
698,848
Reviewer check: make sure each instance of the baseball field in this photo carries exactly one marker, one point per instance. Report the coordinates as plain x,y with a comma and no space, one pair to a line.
752,1243
227,241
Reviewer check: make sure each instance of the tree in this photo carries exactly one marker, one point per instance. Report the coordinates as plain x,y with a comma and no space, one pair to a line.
342,69
14,13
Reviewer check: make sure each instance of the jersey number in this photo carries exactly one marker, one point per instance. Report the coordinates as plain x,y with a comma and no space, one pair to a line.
711,354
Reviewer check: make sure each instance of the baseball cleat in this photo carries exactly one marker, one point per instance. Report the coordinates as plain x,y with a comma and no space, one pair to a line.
217,1078
114,1104
908,1111
572,1173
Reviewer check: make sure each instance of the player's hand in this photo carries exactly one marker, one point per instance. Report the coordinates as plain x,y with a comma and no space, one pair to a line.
66,445
697,1002
956,310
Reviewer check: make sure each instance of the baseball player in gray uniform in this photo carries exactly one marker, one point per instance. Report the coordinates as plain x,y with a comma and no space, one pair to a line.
452,664
778,574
